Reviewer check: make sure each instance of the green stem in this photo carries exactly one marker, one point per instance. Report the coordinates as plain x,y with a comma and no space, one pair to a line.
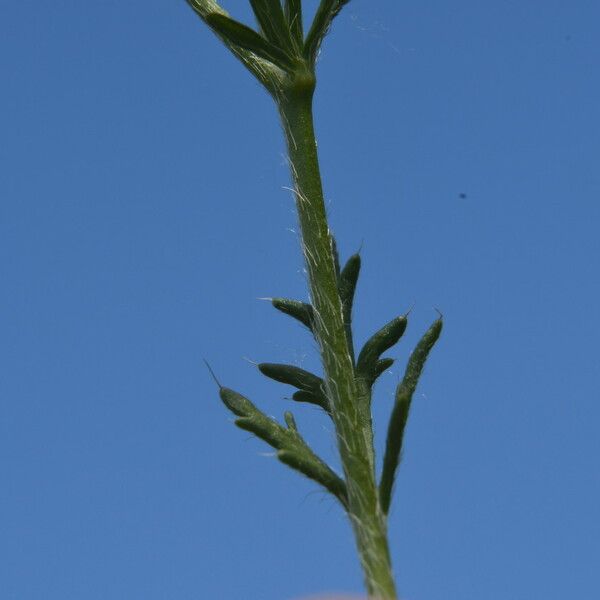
350,408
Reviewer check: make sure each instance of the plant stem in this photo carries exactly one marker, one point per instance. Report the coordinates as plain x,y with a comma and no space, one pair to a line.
350,405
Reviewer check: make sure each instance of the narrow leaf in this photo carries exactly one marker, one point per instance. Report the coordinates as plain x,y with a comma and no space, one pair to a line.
347,285
293,14
327,11
205,7
266,429
291,447
317,471
382,366
301,311
272,22
269,75
311,398
400,412
311,387
238,34
239,405
381,341
292,375
336,257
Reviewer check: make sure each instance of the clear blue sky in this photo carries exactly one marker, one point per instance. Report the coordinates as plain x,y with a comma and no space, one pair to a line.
142,214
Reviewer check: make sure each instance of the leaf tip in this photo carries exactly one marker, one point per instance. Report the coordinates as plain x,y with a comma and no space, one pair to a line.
212,373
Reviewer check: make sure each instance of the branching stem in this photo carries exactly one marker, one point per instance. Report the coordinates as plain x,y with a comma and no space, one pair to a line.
284,63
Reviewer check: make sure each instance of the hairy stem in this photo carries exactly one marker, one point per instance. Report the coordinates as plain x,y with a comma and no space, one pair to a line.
350,409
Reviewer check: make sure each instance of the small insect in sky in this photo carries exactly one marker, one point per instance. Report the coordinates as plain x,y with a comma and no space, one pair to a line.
462,196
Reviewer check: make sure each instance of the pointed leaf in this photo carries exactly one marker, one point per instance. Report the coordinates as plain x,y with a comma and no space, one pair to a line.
381,341
264,428
293,15
399,417
301,311
327,11
291,447
238,34
205,7
268,73
311,387
347,285
292,375
317,471
336,257
311,398
273,23
239,405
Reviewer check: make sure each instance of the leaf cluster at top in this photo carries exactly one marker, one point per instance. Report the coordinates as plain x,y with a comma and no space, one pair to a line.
278,48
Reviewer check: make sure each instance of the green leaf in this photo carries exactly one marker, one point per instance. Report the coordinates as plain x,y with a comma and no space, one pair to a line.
273,23
205,7
301,311
238,34
311,387
336,257
346,280
254,59
292,375
318,471
266,429
400,412
292,449
293,15
382,366
239,405
327,11
311,398
347,285
385,338
288,417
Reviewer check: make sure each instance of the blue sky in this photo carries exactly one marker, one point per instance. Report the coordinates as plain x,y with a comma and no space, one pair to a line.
142,214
